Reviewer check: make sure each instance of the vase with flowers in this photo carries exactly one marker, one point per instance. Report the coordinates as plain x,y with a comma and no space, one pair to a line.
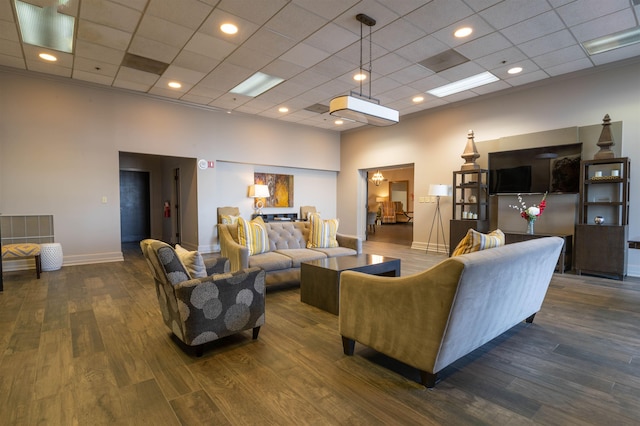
530,214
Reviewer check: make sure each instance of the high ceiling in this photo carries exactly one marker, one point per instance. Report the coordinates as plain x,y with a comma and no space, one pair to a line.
314,45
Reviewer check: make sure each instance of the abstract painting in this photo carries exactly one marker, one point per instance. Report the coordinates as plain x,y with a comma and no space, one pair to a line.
280,189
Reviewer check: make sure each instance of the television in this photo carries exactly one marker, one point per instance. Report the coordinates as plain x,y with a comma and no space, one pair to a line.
552,169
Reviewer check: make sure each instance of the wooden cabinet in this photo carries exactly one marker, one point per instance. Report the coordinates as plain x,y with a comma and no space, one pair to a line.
276,217
565,258
602,229
470,205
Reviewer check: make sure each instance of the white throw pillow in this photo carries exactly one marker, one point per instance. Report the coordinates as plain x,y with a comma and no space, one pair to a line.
192,261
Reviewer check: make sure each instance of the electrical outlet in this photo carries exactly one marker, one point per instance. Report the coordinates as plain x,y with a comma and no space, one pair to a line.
104,199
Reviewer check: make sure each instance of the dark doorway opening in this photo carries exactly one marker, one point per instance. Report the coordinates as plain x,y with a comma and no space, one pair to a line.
135,205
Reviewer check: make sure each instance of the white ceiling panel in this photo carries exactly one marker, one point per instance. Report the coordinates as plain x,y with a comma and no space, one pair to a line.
316,47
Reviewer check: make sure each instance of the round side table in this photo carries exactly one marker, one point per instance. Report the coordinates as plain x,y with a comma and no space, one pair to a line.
51,256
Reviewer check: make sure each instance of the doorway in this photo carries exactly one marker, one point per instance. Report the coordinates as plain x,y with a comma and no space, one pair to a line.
135,218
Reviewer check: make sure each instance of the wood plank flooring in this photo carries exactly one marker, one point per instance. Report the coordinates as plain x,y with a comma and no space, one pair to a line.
86,345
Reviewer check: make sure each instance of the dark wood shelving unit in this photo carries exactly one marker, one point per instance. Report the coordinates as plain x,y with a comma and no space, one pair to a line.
601,249
468,184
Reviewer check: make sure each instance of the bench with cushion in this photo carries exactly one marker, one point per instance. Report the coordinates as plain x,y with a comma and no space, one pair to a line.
22,250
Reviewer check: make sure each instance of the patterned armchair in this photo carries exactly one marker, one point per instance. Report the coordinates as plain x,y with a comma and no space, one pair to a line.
201,310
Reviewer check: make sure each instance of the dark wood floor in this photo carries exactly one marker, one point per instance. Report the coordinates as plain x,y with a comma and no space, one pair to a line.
86,345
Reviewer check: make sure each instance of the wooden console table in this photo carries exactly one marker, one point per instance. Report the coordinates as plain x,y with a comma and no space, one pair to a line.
275,217
565,259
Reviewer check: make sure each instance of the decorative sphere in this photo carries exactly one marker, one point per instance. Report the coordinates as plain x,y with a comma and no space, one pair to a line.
599,220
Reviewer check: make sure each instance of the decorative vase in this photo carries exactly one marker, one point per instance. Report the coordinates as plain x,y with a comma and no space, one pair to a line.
530,223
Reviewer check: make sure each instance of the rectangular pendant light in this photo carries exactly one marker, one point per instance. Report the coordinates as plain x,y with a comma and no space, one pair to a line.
612,41
45,27
256,84
464,84
362,111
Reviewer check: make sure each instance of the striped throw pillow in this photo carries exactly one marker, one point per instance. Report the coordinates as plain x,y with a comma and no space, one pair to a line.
322,233
476,241
253,235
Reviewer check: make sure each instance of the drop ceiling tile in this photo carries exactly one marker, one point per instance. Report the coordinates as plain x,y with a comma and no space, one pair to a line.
256,12
12,61
274,97
110,14
103,35
92,77
389,63
135,4
283,69
188,13
491,87
209,46
161,89
65,60
527,66
295,22
183,75
384,84
604,25
395,36
372,8
269,42
48,68
428,83
85,49
510,12
421,49
579,12
131,85
126,74
195,62
527,78
410,74
230,101
249,58
261,105
93,66
163,31
462,71
616,54
439,14
304,55
310,79
547,43
352,53
328,9
11,48
487,45
546,23
202,100
205,92
332,38
333,67
509,57
153,49
9,31
211,26
557,57
567,67
6,11
226,76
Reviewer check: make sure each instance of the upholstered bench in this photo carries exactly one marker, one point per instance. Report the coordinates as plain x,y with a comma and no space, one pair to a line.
17,251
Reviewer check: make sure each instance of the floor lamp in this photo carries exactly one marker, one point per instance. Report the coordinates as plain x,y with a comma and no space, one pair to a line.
438,190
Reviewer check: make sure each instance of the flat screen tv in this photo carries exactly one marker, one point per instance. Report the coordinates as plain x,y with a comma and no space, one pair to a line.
553,169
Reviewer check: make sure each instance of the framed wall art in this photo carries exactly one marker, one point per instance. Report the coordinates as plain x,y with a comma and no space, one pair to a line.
280,189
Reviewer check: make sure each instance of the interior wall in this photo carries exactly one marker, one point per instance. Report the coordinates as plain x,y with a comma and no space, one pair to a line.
435,140
63,139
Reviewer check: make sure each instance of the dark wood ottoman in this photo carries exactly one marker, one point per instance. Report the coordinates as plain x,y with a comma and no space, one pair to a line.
320,279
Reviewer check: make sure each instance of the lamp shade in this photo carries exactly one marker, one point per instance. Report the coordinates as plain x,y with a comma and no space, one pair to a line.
258,191
438,190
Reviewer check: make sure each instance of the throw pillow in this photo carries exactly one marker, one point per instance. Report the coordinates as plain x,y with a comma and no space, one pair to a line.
253,235
476,241
192,262
322,233
228,219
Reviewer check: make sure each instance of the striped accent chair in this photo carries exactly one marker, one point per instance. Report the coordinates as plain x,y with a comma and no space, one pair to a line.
22,250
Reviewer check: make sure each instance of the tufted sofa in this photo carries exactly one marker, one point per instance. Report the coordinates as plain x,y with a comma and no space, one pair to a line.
288,248
202,310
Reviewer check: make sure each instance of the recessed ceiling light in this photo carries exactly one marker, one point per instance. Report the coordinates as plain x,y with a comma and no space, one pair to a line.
515,70
464,84
360,76
256,84
174,85
283,109
228,28
463,32
339,122
612,41
417,99
48,57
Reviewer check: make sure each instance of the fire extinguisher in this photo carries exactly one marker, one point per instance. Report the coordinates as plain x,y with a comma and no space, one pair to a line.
167,209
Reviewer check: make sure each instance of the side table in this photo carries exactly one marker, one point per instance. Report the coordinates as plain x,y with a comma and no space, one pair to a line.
51,256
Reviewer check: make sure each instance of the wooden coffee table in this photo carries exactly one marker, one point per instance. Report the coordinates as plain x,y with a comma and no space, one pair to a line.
320,279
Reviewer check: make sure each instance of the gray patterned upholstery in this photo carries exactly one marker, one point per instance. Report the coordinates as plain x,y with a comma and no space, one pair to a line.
205,309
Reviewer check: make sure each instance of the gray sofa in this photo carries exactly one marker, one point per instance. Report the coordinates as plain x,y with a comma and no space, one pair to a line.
288,242
432,318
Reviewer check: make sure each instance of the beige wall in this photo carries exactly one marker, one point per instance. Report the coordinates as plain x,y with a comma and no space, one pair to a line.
435,140
60,143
